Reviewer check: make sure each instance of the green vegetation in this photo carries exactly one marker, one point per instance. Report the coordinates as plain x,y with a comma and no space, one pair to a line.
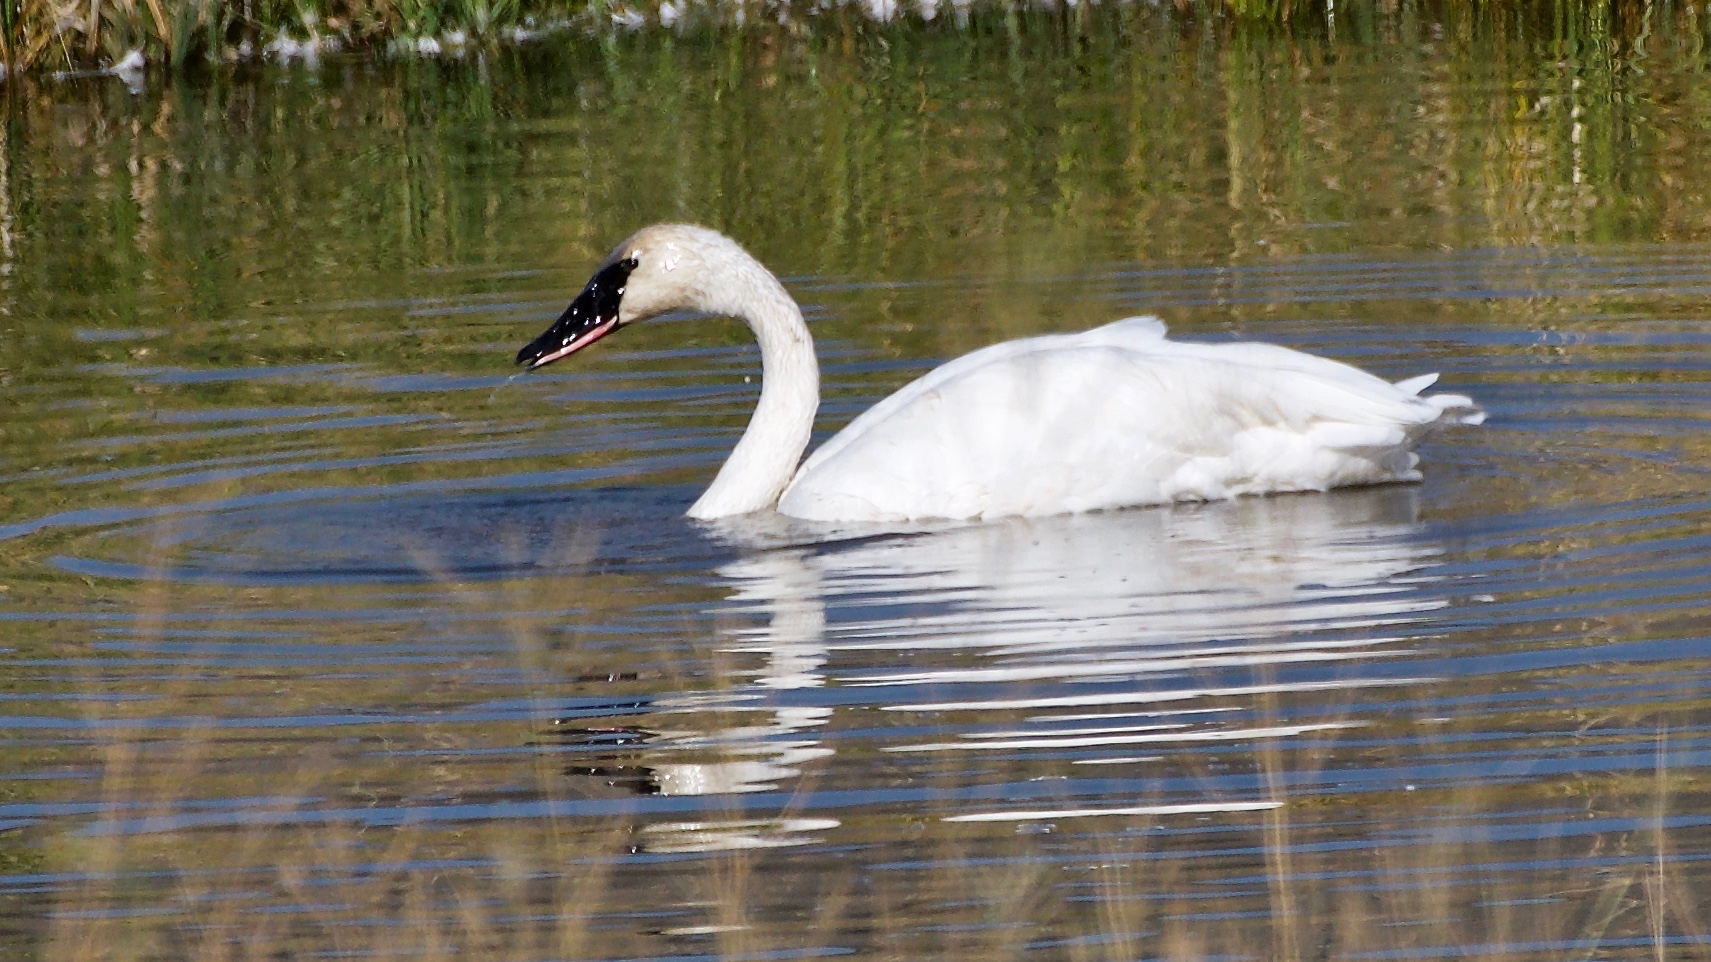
312,280
64,35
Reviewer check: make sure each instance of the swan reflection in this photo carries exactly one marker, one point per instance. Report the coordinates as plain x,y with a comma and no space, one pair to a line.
1121,624
1132,591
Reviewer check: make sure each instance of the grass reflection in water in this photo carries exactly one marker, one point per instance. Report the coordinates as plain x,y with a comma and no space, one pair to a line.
323,639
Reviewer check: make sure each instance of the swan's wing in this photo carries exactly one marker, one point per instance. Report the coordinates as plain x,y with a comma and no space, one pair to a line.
1112,417
1138,333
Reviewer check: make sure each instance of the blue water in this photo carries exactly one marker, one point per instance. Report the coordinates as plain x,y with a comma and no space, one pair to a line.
326,636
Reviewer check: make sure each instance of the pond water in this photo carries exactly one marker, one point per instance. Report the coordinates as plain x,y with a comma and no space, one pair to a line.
321,636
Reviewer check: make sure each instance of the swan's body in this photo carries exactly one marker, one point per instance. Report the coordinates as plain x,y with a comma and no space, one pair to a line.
1113,417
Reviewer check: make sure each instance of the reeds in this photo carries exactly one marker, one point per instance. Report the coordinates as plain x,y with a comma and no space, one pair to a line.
297,880
77,34
72,34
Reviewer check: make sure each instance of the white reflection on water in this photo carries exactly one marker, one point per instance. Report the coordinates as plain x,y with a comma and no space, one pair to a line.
758,757
703,836
1135,591
1130,608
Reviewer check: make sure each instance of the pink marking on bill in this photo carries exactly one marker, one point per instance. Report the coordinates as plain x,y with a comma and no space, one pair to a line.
576,344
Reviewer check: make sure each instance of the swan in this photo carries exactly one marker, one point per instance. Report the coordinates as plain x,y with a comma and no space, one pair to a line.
1114,417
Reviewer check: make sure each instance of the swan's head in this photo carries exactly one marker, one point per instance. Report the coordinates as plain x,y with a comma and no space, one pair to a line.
658,269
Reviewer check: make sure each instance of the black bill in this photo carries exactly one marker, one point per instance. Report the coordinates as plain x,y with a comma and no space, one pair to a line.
592,316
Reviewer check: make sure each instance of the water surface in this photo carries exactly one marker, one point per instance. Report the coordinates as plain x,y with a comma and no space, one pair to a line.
324,637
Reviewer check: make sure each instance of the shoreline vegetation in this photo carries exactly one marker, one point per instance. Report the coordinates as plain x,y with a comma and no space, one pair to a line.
128,38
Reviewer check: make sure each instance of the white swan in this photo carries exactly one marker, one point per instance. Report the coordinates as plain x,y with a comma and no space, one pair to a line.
1109,418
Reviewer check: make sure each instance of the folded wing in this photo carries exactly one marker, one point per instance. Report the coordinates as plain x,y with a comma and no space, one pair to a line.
1114,417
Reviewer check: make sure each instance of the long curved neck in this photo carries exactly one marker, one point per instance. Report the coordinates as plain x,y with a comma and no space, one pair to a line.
765,459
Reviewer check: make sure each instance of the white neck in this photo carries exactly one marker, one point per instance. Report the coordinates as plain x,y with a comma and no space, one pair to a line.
765,459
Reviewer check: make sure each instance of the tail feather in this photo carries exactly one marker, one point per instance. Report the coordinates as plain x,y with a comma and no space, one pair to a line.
1456,409
1452,408
1414,385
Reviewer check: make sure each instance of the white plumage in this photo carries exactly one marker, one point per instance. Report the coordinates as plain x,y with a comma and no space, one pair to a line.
1113,417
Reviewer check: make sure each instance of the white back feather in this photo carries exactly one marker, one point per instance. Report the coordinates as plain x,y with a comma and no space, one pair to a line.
1113,417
